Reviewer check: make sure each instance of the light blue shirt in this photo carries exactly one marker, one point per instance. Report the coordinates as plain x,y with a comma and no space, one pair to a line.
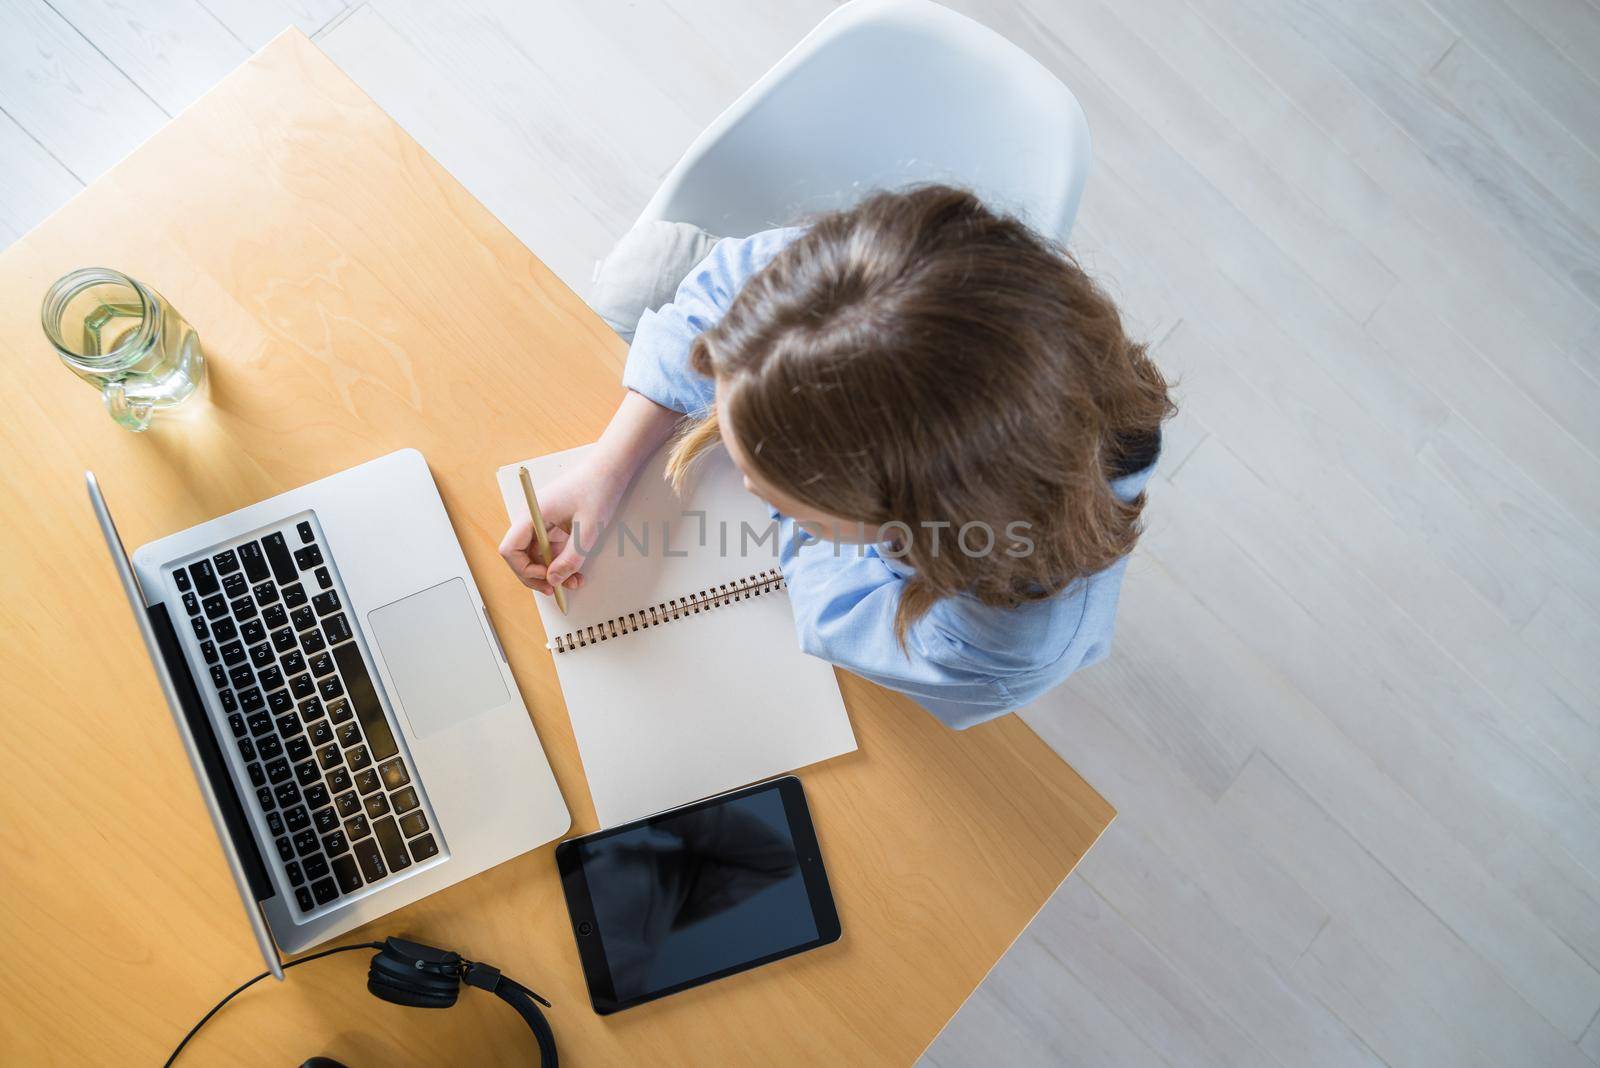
966,662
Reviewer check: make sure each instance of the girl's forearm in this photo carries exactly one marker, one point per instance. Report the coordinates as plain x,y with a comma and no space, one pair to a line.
639,427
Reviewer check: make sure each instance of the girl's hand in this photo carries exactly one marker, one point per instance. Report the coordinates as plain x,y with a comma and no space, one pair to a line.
585,496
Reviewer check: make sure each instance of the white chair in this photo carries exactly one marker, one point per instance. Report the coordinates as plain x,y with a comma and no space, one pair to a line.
884,94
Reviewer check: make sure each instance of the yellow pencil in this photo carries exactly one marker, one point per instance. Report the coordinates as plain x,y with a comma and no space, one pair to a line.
539,533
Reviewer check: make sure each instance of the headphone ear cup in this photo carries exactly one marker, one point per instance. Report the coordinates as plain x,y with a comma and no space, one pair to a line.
401,983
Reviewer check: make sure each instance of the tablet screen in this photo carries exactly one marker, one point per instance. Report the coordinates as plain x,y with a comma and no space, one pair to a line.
698,892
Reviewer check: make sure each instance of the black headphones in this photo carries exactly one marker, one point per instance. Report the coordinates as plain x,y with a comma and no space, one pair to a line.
422,977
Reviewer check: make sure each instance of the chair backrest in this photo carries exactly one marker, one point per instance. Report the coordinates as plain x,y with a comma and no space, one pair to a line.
884,94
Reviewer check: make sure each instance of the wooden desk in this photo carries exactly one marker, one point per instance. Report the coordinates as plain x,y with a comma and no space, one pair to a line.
353,299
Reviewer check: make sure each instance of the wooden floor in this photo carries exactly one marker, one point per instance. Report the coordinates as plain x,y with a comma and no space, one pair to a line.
1352,722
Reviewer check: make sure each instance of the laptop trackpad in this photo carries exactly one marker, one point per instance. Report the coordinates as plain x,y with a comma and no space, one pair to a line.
438,656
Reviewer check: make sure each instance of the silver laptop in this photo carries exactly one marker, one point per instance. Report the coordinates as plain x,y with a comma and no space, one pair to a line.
344,699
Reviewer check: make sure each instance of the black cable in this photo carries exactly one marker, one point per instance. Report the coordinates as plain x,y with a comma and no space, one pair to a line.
240,990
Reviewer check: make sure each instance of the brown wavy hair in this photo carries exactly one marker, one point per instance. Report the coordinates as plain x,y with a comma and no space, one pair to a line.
921,359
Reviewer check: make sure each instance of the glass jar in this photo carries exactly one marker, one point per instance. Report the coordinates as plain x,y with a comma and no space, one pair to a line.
124,339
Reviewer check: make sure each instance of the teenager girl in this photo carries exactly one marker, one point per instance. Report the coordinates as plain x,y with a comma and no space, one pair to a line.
928,379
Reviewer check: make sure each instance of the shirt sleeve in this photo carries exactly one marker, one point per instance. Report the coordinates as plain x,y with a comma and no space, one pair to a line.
658,360
844,605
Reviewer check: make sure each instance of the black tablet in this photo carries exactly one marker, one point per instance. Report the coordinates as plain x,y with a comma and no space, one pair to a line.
696,893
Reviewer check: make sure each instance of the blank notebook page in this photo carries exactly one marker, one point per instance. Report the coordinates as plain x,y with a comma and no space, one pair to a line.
670,713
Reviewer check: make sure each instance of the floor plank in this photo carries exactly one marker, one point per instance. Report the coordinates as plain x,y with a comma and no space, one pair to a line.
33,183
174,50
66,95
255,22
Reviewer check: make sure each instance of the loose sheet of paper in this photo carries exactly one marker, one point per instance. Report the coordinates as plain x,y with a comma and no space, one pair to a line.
712,701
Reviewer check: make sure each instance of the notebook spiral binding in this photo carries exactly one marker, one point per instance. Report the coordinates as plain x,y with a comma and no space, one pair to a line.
769,581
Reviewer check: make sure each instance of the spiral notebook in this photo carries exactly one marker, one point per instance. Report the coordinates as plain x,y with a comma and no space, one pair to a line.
678,658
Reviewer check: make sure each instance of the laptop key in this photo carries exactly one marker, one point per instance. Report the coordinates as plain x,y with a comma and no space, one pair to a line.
278,771
368,781
336,628
405,800
279,701
181,577
243,608
227,562
348,804
312,642
325,603
328,756
260,723
205,577
216,606
200,629
271,678
285,642
371,860
230,703
307,775
374,724
339,781
297,818
191,604
208,649
320,733
424,847
339,710
302,686
321,664
305,842
317,795
274,617
324,891
377,805
324,580
235,586
294,595
325,822
389,840
233,653
288,724
219,678
287,794
344,870
335,844
258,777
247,749
302,897
255,565
275,823
330,687
285,851
394,774
264,799
293,662
308,557
278,555
241,676
358,758
356,828
311,709
250,700
253,632
298,748
303,528
224,630
269,747
261,655
265,593
292,870
316,866
236,725
349,734
413,823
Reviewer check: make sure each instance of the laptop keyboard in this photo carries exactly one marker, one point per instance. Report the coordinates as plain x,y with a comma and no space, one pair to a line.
341,802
